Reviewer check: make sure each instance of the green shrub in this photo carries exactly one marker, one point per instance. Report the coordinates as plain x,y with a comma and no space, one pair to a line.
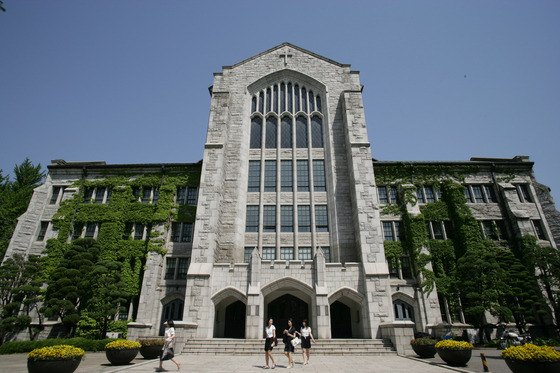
27,346
547,341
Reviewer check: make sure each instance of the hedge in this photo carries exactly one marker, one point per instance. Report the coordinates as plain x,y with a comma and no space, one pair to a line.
27,346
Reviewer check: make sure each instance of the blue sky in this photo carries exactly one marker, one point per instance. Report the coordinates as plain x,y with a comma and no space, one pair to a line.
127,81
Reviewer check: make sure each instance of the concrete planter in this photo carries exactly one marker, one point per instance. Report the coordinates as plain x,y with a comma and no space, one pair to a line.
455,358
121,357
520,366
53,366
424,351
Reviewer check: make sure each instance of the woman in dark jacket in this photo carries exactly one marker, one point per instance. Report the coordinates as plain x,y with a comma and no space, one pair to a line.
289,334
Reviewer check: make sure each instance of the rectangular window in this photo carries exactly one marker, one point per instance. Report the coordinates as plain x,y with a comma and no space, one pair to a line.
304,218
541,235
254,176
155,199
303,176
182,268
420,195
90,230
383,196
187,232
438,231
247,254
406,269
327,252
192,196
181,195
269,218
488,230
388,231
393,268
490,194
399,231
286,253
99,195
270,176
287,218
305,253
55,193
138,231
136,193
146,195
77,233
252,219
477,192
88,195
394,195
321,218
430,196
269,253
171,264
43,230
127,231
502,232
109,194
448,229
287,176
319,180
175,232
468,194
524,194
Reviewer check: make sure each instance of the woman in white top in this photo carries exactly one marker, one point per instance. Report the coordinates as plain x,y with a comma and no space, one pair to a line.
270,342
167,352
306,338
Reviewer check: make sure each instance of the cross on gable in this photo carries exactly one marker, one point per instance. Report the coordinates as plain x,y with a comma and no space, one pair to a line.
285,55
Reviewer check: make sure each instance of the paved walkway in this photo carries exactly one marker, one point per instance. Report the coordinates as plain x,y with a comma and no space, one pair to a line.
96,362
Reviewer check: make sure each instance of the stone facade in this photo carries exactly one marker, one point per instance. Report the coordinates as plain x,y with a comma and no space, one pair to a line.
315,247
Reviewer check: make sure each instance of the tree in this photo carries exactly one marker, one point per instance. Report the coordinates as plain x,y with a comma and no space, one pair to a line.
69,287
107,293
14,198
20,295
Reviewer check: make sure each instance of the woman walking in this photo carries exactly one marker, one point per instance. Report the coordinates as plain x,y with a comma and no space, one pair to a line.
289,334
167,353
269,343
306,338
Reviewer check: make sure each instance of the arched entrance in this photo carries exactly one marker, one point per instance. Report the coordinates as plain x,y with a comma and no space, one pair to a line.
287,307
341,320
235,320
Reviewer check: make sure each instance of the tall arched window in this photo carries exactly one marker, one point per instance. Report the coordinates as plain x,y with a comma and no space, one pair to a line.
403,311
301,132
256,133
286,135
316,132
271,133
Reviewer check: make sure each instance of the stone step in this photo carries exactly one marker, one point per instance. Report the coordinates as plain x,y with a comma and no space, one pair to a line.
224,346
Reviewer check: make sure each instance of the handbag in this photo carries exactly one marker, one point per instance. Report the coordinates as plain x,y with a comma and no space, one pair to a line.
296,341
167,352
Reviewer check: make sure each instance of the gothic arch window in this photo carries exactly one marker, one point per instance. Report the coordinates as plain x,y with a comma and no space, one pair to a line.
256,133
316,132
271,132
301,132
403,310
286,132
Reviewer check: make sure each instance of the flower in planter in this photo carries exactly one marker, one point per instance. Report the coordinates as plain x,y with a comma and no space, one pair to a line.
59,352
122,344
454,345
424,341
531,352
152,342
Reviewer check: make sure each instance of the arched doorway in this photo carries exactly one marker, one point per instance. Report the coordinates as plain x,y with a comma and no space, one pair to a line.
287,307
171,311
235,320
341,320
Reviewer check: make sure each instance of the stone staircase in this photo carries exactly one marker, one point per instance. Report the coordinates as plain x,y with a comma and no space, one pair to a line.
224,346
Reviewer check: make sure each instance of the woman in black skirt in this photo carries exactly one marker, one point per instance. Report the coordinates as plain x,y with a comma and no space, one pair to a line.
306,338
289,334
269,343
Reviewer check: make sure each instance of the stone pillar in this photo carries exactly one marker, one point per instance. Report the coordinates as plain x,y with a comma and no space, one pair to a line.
322,316
254,324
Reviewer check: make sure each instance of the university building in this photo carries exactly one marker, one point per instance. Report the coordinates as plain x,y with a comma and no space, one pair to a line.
286,216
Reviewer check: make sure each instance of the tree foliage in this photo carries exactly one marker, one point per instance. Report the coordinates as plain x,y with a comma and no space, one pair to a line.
20,295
